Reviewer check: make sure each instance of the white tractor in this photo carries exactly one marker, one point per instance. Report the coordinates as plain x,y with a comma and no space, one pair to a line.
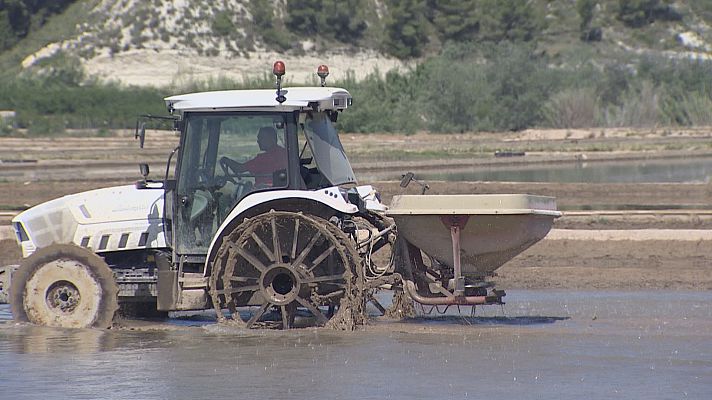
259,218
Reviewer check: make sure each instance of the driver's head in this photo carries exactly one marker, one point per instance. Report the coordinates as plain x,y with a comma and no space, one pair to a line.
267,138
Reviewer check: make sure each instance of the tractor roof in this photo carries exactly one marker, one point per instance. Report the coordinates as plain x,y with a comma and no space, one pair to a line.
327,98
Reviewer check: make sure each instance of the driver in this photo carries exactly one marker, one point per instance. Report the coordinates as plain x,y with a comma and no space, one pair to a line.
272,158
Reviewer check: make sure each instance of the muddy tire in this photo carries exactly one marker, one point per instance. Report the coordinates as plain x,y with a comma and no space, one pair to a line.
283,261
64,286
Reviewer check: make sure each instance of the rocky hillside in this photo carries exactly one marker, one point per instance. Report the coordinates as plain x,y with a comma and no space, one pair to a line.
161,42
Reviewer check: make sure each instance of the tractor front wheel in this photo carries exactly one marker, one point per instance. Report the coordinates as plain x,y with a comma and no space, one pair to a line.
64,286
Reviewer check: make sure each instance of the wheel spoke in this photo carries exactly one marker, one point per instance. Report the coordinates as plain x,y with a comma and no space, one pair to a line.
241,289
325,278
250,258
306,250
296,236
263,246
321,257
320,317
275,241
285,317
242,279
258,314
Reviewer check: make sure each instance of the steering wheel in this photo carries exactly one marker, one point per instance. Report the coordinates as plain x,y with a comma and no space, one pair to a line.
230,174
208,183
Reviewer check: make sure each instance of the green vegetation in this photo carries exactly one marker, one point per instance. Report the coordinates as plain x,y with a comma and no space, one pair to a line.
222,24
341,20
636,13
405,29
482,65
471,87
264,23
19,17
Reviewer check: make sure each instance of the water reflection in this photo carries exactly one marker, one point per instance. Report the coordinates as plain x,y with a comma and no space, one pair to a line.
679,170
38,340
640,345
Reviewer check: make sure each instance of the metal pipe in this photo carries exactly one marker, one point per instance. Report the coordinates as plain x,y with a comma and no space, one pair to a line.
444,301
458,279
375,237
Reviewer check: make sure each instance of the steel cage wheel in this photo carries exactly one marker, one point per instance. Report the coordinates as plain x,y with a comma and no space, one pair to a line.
284,261
64,286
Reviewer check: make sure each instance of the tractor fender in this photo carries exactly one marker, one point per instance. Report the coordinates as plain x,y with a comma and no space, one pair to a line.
323,202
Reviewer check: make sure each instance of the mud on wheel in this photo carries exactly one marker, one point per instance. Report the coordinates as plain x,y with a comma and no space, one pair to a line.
65,286
286,262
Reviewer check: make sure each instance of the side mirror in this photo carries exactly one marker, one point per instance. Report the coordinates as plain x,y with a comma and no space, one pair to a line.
141,134
144,170
406,179
333,116
410,177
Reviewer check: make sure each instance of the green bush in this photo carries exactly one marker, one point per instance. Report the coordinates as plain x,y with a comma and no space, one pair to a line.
45,126
382,104
222,24
44,106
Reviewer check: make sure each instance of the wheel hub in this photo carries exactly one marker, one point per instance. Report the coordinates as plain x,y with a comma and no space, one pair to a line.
280,284
63,297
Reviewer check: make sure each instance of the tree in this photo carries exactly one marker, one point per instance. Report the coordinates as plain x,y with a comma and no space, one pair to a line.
342,20
405,28
303,16
637,13
512,20
456,20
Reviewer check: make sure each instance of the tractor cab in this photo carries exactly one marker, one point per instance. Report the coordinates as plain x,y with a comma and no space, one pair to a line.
236,144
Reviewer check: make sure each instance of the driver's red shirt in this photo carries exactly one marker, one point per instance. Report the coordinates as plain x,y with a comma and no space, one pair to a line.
265,164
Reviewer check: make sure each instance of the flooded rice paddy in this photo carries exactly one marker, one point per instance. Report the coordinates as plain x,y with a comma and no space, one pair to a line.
544,344
692,170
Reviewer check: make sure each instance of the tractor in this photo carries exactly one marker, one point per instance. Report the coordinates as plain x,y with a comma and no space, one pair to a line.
260,218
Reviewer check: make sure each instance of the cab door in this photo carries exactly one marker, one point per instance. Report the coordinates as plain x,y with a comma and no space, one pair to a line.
206,188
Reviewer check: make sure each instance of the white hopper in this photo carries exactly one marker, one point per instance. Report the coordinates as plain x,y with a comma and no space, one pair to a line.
492,229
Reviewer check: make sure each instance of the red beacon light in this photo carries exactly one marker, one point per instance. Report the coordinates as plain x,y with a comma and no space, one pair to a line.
279,70
322,71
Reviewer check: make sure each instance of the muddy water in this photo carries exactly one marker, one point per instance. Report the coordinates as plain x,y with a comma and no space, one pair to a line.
631,345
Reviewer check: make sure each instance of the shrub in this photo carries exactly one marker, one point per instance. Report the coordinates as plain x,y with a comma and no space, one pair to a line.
640,107
572,108
222,24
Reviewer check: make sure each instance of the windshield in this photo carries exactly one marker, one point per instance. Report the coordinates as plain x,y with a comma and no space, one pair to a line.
327,150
